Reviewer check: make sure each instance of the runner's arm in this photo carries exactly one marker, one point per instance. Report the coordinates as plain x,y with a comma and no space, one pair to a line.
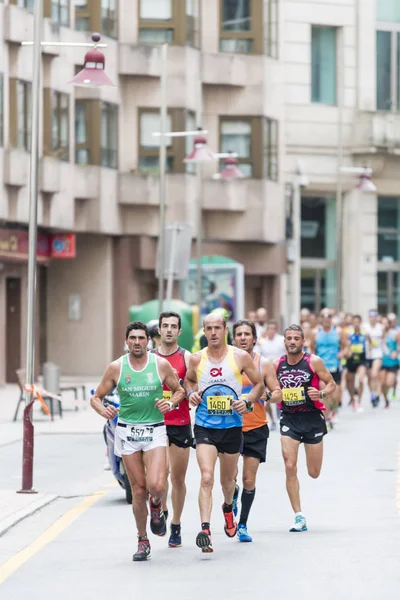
268,373
187,358
170,378
107,382
318,365
344,345
191,384
250,369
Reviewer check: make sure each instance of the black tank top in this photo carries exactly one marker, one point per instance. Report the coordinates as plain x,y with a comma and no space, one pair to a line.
295,380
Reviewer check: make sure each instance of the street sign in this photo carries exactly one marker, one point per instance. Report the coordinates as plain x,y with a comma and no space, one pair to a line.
178,243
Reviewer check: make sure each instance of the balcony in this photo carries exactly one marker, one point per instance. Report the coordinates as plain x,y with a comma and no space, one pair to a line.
50,175
16,167
229,196
139,60
136,189
18,24
225,69
86,181
376,132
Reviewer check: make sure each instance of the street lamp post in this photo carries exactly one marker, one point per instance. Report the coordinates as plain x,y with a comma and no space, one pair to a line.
92,74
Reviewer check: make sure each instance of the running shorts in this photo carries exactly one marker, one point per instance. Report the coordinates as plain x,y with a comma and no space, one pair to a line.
140,437
226,441
180,435
306,427
255,443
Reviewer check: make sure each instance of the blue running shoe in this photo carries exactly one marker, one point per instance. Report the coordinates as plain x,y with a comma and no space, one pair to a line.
242,534
300,524
175,539
235,500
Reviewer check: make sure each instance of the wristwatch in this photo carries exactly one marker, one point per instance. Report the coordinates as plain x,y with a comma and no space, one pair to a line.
171,404
322,395
269,395
248,404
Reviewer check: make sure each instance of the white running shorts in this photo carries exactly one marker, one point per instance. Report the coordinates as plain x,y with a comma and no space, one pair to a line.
139,438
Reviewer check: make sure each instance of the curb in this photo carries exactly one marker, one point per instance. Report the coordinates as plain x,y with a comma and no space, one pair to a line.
20,515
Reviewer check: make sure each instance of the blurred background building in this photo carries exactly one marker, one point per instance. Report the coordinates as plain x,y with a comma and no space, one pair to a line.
286,85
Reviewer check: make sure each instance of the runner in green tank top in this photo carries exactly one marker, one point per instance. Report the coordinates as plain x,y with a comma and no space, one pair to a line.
140,436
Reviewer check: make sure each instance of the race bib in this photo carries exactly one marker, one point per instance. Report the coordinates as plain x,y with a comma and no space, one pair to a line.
375,343
357,348
294,396
219,405
167,395
248,410
141,433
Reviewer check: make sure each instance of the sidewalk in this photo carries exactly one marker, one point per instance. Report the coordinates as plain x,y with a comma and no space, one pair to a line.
16,507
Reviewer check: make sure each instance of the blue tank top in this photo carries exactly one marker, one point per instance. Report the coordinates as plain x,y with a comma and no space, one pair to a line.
389,346
358,347
328,347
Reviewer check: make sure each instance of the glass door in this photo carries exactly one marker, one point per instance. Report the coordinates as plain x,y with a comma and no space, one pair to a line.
388,292
318,289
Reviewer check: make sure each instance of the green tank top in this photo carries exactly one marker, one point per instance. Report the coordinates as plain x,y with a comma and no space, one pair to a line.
138,391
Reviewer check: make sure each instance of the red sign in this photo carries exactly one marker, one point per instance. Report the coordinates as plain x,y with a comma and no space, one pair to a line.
63,246
14,245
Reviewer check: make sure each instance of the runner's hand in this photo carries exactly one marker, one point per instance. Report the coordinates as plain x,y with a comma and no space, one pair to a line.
239,406
110,412
314,394
195,398
163,406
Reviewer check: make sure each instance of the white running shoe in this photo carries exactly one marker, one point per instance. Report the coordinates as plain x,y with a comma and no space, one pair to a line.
107,466
300,523
359,408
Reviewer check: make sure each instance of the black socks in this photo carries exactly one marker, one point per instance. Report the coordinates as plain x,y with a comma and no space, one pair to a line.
247,500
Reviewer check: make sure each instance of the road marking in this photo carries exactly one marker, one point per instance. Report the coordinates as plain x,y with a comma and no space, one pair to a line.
112,484
15,562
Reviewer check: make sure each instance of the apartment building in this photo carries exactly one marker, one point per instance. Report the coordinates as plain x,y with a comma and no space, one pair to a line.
99,162
342,96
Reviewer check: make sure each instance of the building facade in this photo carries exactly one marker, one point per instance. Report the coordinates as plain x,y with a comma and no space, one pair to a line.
99,162
342,96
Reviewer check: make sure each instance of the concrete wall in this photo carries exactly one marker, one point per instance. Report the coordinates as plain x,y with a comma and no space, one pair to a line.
83,346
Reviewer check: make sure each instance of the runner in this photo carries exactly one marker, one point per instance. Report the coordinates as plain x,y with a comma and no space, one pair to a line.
140,436
374,331
331,346
214,384
179,429
390,360
308,345
356,364
271,346
302,420
255,424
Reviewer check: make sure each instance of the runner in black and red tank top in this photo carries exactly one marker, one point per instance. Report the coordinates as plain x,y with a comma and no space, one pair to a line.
179,429
302,419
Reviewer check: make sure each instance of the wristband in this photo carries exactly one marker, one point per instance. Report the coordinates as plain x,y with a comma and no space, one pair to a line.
269,395
171,404
191,392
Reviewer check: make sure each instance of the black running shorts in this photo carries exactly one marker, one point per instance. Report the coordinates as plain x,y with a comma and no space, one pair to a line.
226,441
180,435
337,376
353,367
255,443
306,427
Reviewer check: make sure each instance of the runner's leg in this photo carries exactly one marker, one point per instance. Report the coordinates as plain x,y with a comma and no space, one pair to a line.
290,450
179,460
166,489
206,457
361,372
155,462
250,468
314,455
134,467
350,380
228,473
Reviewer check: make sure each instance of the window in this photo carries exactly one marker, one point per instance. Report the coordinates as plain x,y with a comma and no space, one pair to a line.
82,134
56,124
20,102
323,65
28,4
241,26
59,12
235,136
109,135
271,28
388,229
163,21
388,11
97,15
318,229
271,148
388,70
1,110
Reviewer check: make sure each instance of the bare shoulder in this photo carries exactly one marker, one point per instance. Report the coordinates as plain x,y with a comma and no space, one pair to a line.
194,359
187,356
114,368
316,362
240,356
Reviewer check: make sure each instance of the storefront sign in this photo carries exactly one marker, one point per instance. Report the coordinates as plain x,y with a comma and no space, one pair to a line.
14,245
63,246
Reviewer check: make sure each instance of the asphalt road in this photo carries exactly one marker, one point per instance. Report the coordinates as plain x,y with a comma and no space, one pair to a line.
81,545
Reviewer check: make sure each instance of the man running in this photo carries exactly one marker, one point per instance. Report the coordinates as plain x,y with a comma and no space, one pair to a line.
302,419
374,331
218,425
179,429
271,346
356,363
140,435
332,348
255,424
390,360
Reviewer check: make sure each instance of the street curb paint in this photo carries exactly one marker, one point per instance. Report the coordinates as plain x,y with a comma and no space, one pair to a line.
16,561
9,522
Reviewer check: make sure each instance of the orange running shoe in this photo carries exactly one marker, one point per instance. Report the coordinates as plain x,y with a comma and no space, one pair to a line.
203,541
230,526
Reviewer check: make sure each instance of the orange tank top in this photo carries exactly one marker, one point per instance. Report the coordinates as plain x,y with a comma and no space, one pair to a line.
258,416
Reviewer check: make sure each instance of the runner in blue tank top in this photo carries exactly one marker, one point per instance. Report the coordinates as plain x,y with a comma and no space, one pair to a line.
331,347
390,360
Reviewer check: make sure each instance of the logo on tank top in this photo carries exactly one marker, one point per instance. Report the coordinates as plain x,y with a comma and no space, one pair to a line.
149,377
294,379
127,379
214,372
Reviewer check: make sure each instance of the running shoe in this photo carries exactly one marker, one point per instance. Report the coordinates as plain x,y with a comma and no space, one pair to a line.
300,524
387,403
175,539
235,500
143,551
230,526
243,535
359,408
203,541
158,525
273,426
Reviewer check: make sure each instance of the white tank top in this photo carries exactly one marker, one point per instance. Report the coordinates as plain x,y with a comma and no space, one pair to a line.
226,372
375,346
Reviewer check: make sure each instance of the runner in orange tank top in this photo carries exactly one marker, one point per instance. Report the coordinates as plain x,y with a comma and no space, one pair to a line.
255,423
